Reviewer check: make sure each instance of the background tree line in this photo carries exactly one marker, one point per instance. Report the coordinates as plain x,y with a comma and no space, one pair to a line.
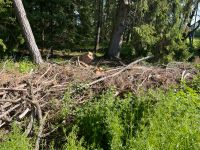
131,28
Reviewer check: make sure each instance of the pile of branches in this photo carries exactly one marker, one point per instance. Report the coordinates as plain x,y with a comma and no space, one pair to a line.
30,96
141,78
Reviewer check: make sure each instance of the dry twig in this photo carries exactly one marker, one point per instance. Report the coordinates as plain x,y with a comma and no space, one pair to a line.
8,111
12,89
30,125
37,144
120,71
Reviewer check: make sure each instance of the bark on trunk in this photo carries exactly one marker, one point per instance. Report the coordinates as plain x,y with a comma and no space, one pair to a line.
27,32
99,24
118,29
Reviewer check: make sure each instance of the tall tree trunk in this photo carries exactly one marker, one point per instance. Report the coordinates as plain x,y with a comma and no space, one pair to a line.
27,32
51,27
99,24
128,35
118,28
43,26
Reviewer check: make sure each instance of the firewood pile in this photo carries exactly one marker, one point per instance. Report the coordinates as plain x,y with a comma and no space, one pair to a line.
30,96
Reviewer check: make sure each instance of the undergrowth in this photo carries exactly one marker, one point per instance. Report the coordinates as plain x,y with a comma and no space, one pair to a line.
15,140
21,66
157,120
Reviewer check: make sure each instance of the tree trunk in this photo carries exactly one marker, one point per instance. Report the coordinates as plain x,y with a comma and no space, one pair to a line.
27,32
51,27
99,24
118,29
128,36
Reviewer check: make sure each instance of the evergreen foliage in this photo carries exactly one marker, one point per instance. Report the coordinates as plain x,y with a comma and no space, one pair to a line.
10,34
152,26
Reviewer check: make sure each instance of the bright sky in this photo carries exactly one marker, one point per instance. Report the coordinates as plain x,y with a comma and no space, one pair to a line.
198,16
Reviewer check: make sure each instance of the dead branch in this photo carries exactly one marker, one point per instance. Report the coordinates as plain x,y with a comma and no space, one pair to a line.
35,103
2,93
1,125
49,133
119,72
8,111
37,144
6,105
115,69
12,89
30,125
21,116
43,74
11,101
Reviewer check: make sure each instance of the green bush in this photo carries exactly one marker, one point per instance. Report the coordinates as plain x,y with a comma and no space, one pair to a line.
175,124
156,120
72,142
110,123
195,84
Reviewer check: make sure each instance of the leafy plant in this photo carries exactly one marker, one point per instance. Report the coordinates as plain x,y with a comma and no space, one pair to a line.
155,120
175,124
26,66
22,66
2,45
72,142
15,140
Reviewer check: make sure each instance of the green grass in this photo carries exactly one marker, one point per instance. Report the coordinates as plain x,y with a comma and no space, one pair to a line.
22,66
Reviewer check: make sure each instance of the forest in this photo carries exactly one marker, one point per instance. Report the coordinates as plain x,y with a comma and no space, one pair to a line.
99,74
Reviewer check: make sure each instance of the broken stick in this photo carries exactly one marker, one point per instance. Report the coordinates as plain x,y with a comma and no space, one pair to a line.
37,144
120,71
8,111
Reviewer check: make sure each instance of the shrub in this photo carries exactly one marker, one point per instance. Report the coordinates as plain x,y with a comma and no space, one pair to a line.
110,123
175,124
72,142
156,120
195,83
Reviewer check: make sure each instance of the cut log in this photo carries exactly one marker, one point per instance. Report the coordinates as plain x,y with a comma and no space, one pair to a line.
87,58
